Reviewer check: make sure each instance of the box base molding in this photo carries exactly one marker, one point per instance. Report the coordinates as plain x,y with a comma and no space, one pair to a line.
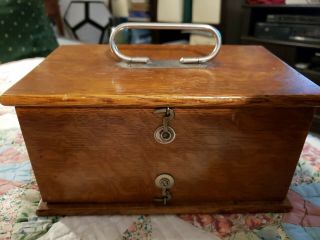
72,209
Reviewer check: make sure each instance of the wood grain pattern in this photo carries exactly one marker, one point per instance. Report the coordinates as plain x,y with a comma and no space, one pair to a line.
88,125
67,209
87,75
98,155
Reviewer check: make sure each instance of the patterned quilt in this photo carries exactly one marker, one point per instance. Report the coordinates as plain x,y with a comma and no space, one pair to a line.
19,197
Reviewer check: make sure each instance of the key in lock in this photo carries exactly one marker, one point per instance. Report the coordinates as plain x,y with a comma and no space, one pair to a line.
165,183
165,134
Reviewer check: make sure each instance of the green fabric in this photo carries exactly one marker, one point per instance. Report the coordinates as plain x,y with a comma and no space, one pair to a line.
28,225
25,30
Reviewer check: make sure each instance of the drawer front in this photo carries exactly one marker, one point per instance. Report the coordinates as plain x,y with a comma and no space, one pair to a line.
111,155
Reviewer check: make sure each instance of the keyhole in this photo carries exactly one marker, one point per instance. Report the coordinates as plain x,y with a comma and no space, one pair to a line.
164,182
165,135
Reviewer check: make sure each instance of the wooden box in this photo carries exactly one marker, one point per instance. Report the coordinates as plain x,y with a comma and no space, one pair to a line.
89,125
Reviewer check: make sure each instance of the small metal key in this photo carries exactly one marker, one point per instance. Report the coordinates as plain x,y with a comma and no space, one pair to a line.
165,182
166,196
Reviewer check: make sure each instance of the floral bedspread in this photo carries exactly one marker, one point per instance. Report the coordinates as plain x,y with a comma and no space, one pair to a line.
19,197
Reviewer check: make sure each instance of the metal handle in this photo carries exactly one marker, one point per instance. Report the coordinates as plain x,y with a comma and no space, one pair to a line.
183,26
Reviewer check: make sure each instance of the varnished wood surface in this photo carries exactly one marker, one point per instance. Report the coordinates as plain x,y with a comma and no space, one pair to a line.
72,209
110,155
87,75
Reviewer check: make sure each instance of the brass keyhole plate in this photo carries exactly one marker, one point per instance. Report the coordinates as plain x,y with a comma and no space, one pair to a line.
164,181
164,137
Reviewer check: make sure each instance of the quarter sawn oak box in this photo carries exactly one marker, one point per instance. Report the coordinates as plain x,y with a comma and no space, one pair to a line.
89,125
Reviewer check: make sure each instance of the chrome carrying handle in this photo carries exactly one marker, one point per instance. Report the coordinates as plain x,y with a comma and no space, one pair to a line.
183,26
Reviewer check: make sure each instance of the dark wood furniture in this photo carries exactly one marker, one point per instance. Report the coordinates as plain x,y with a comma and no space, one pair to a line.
53,12
89,128
291,52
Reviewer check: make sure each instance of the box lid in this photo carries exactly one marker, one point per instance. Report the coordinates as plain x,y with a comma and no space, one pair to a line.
87,75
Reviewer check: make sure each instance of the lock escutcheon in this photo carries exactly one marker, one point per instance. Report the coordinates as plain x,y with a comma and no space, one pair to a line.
165,134
164,137
164,181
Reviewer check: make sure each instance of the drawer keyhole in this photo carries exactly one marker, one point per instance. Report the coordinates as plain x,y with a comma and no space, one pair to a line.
165,183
